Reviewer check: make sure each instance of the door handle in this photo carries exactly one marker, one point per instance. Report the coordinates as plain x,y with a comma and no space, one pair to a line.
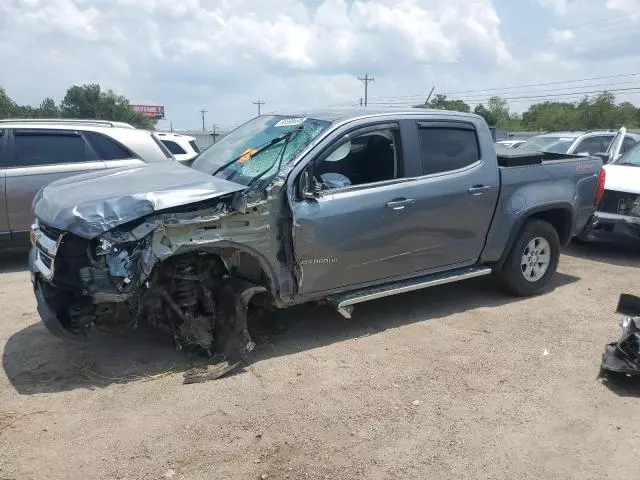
479,189
400,203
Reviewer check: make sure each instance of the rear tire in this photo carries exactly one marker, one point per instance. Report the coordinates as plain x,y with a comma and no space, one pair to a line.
532,261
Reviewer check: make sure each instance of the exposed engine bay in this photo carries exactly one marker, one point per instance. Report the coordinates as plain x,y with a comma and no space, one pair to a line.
171,272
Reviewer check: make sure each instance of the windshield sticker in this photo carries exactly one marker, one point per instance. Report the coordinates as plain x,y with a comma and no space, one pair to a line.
290,122
246,155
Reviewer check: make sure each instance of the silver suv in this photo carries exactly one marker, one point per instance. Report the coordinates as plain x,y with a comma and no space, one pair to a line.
34,153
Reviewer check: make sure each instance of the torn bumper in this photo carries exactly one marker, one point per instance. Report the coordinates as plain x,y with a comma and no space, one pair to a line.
50,318
48,313
613,226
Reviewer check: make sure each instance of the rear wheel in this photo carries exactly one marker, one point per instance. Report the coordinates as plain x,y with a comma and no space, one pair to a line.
533,259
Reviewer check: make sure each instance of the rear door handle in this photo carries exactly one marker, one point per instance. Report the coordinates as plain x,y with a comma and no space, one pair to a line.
479,189
400,203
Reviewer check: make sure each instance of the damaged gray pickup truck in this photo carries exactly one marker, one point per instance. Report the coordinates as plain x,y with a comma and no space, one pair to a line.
333,206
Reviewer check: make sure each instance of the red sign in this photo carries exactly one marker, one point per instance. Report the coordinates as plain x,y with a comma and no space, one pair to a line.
149,111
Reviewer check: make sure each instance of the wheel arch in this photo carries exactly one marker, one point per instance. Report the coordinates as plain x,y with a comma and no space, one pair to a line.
242,261
560,215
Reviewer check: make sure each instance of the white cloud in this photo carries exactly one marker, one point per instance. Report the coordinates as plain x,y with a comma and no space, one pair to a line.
561,36
154,49
224,54
631,7
558,6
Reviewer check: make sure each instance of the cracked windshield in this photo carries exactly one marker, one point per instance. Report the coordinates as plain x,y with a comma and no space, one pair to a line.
259,148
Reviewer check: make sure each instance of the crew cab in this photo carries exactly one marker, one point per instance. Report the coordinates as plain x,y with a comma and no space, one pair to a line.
333,206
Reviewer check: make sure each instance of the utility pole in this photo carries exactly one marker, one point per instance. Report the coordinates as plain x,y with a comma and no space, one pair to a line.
366,81
203,111
214,133
360,101
259,104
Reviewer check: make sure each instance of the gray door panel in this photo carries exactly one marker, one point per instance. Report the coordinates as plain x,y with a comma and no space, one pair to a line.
352,237
452,215
22,184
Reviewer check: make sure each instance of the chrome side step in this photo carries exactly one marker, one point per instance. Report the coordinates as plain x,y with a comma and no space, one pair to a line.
344,302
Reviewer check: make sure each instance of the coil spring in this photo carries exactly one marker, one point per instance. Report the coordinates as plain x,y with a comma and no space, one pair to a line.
185,291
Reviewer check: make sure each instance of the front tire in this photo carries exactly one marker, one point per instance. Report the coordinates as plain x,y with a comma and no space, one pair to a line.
532,261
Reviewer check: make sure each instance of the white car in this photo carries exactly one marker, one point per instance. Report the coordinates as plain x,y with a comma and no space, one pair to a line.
182,147
510,143
618,200
579,143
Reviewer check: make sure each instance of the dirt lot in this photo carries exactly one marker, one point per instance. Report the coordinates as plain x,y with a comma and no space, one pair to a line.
450,382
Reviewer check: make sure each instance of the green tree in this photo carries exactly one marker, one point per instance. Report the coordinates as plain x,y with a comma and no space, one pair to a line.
603,112
552,116
440,102
596,112
89,101
486,114
499,109
48,109
7,105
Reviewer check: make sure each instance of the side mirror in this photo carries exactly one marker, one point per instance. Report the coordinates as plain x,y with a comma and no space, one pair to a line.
604,156
309,185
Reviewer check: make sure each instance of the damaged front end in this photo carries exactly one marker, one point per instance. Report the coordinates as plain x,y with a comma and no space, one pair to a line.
171,271
623,356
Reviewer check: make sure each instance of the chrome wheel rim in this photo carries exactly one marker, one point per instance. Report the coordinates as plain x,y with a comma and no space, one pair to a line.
535,259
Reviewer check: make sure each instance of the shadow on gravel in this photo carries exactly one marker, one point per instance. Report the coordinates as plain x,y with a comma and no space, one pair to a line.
37,362
623,254
14,260
622,385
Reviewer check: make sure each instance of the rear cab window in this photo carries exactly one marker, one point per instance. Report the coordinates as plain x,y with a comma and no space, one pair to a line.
447,146
49,147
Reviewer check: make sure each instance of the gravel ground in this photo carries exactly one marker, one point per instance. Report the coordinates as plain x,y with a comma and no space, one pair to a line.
458,381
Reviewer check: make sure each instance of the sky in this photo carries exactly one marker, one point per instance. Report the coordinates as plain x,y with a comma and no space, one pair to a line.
223,55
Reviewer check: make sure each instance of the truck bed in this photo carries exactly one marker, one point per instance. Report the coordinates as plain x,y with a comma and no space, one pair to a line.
510,157
566,184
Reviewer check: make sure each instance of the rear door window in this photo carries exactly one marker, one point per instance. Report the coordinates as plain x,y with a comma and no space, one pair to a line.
37,147
173,147
447,148
106,148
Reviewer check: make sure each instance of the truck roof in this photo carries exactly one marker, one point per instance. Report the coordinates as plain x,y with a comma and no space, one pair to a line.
343,114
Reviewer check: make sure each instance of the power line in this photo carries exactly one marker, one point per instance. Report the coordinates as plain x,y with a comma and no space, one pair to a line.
408,97
259,103
609,87
576,95
366,81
